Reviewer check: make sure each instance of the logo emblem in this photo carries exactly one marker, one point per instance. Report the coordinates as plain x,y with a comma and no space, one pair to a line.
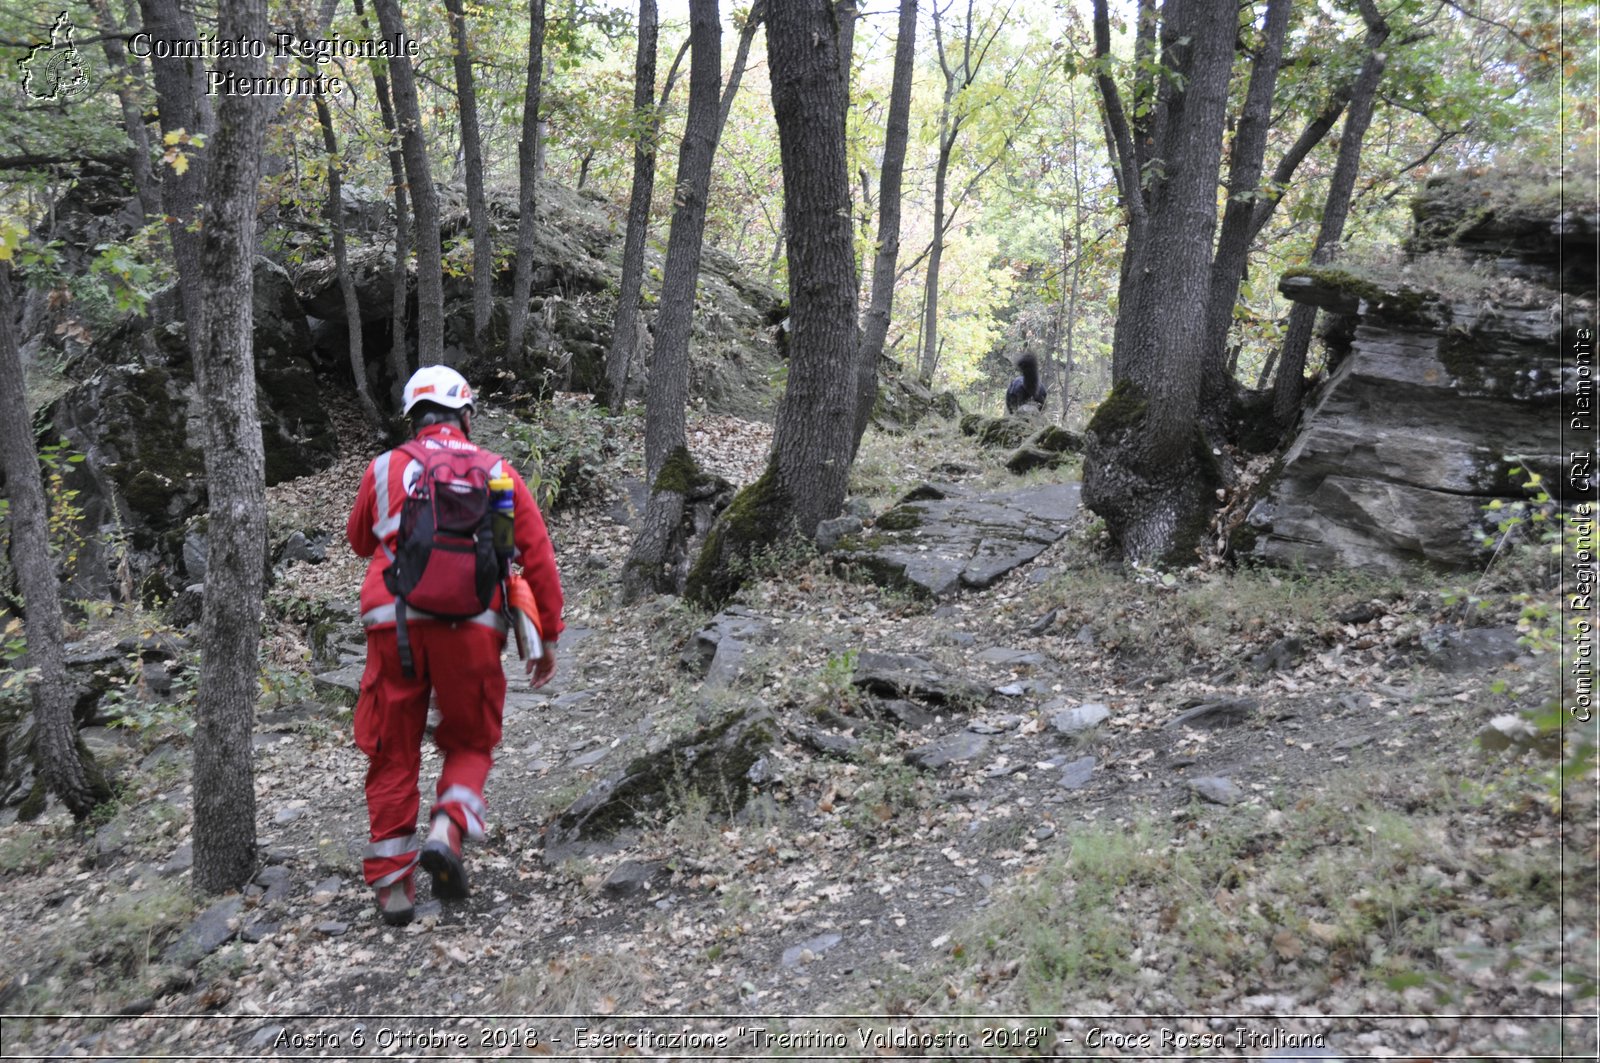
54,71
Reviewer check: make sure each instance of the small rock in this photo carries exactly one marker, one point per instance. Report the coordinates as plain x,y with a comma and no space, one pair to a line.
1045,622
205,935
1080,718
908,713
830,744
1044,831
632,876
181,860
1475,649
332,927
326,890
1353,742
258,932
288,815
963,745
1077,774
1005,655
566,701
166,753
591,758
1213,714
265,1036
1085,636
1217,790
809,950
1278,657
829,532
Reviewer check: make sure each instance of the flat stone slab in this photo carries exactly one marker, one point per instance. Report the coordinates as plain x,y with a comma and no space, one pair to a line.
213,929
964,745
940,546
1217,790
1079,717
1077,773
809,950
904,675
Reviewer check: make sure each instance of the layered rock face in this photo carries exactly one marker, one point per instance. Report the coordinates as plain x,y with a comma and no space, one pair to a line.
1447,374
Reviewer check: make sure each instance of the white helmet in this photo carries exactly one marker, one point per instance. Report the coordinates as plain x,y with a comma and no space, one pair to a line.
439,384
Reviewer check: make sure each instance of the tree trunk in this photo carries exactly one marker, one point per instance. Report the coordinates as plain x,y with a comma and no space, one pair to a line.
875,327
424,197
647,119
341,263
1289,388
949,127
66,767
846,11
230,625
144,181
400,364
664,434
741,57
528,176
477,206
809,466
183,111
1147,470
648,113
1244,179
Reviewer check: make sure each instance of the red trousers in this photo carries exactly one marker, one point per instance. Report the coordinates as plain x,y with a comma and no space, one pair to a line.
461,664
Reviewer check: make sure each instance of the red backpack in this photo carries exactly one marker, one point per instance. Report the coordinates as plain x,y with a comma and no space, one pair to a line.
445,563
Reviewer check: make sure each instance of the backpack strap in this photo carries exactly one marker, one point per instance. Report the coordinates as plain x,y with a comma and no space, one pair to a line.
402,636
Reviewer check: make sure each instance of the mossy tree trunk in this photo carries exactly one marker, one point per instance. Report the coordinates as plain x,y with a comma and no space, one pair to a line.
1147,467
664,434
472,155
65,766
424,196
806,475
528,184
230,625
875,323
1289,389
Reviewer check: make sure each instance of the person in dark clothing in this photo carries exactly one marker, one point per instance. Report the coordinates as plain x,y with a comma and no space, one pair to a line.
1026,388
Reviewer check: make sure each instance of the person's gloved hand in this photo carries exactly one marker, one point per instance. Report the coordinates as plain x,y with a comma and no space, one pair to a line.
542,669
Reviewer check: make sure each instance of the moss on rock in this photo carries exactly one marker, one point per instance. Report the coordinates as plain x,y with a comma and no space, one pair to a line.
900,518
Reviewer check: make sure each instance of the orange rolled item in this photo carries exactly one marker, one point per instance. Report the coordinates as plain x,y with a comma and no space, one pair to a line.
524,618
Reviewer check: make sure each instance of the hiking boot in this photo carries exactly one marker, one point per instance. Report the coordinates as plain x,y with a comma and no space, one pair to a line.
441,858
397,902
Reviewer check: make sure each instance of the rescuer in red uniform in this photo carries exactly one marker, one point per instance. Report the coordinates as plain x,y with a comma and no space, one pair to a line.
458,662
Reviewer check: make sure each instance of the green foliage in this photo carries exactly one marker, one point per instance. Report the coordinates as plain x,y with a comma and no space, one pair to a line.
560,449
1533,536
14,681
64,516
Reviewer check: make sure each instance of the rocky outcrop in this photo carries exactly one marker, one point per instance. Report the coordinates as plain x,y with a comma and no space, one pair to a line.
1444,381
940,539
578,256
131,408
721,762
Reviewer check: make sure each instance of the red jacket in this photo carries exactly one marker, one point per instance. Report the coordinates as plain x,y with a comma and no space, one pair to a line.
374,525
